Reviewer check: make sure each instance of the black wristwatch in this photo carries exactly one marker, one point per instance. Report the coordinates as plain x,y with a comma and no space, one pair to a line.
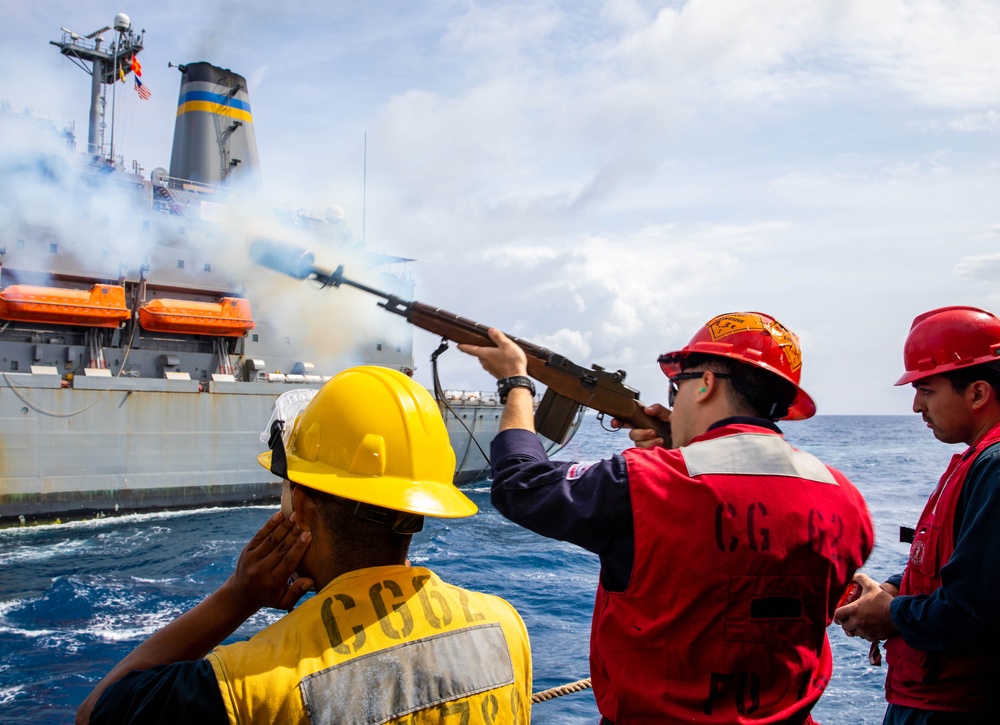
505,385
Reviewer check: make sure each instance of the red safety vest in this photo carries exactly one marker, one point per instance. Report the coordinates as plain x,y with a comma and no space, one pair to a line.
743,545
952,681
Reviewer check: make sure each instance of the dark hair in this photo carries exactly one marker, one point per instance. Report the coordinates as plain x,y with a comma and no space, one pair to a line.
962,378
754,390
357,540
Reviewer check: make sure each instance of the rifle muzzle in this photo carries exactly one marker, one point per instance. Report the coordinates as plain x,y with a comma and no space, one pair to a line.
293,261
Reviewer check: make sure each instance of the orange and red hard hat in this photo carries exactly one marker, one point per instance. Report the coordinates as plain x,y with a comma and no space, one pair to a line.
755,339
949,338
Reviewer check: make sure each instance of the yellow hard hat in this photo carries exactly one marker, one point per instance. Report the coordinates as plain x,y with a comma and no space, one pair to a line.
373,435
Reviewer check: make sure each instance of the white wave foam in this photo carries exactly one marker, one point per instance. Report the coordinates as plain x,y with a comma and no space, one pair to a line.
30,633
124,634
31,553
10,605
106,521
8,694
142,580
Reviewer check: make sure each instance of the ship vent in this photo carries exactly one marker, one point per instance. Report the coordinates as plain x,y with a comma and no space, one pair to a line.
254,371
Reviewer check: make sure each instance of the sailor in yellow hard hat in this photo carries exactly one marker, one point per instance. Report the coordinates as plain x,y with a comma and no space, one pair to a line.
363,461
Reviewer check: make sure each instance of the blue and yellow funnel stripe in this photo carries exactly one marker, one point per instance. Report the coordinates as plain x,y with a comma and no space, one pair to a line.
217,103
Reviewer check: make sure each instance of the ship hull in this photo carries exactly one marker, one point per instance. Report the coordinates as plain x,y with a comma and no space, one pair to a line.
107,446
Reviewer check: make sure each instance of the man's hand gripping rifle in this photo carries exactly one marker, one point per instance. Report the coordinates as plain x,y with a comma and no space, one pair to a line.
568,385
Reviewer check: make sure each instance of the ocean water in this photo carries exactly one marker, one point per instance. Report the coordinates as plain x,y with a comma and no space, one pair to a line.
75,598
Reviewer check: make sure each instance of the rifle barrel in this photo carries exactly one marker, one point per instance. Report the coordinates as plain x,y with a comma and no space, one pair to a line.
594,387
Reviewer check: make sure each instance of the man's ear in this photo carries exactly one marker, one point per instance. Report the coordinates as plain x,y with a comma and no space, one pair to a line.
981,393
708,380
305,509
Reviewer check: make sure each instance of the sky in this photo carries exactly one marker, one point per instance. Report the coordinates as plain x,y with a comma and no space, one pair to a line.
602,178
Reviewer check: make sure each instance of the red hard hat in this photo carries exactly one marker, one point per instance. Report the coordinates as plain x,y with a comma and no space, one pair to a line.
755,339
949,338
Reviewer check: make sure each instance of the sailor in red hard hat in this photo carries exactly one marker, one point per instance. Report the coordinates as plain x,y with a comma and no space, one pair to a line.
940,618
759,341
722,556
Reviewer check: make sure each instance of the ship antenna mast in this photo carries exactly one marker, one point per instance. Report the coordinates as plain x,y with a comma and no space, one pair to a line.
364,193
115,44
103,70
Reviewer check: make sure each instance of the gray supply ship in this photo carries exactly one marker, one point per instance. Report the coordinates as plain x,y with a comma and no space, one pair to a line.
140,350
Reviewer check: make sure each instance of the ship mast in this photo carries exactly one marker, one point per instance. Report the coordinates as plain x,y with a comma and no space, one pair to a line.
105,67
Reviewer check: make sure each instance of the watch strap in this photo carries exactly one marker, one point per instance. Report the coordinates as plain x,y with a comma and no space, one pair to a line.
505,385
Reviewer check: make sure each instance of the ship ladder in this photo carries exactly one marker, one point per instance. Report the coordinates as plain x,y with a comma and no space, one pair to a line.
165,202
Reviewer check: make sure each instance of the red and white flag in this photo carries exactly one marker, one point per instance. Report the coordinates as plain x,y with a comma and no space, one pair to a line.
141,89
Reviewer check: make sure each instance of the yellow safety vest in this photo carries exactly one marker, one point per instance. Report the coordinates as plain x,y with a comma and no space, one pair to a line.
390,644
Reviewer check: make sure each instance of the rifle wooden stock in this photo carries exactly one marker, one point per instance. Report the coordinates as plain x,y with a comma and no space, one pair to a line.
595,387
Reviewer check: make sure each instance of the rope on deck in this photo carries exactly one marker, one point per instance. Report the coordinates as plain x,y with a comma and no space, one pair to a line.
578,686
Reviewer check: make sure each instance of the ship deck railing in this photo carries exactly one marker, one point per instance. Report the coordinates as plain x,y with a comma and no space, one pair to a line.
472,396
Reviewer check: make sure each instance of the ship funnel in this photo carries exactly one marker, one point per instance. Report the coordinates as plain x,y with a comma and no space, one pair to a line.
214,141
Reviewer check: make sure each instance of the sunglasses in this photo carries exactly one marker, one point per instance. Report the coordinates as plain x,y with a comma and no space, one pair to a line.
674,379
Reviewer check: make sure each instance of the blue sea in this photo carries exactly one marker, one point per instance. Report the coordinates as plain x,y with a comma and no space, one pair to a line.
75,598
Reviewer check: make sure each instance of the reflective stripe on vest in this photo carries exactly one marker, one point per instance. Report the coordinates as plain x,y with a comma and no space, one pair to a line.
753,455
472,660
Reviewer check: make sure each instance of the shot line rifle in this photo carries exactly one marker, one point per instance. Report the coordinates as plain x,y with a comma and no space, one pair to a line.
569,385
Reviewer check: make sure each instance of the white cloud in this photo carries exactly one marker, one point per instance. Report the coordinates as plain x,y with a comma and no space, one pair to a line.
975,122
979,268
938,53
574,344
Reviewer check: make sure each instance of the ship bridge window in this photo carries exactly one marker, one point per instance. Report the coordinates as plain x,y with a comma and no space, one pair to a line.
13,364
255,337
208,268
180,264
53,248
378,346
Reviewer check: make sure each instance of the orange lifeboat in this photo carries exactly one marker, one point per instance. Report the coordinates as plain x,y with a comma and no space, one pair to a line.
229,317
103,305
